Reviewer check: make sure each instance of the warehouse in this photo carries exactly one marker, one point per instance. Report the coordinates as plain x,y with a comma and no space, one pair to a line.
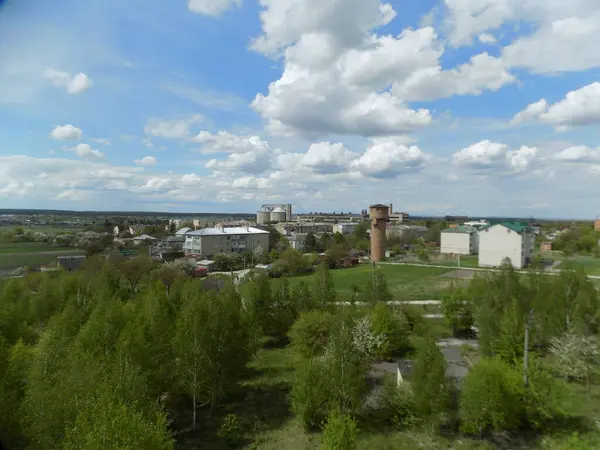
461,240
345,227
210,241
503,240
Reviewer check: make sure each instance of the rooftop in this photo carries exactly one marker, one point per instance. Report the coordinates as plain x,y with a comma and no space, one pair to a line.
226,231
460,229
517,227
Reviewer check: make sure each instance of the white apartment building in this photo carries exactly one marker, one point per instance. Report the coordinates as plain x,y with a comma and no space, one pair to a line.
461,240
345,227
506,240
210,241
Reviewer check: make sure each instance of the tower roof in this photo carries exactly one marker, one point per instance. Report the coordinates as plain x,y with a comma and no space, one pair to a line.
379,205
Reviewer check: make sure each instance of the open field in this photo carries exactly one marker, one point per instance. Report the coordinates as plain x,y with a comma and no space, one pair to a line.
590,264
10,261
48,229
27,247
404,282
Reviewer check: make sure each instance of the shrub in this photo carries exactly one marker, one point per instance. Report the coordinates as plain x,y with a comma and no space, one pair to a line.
431,388
231,430
393,327
491,398
310,333
339,432
544,397
309,392
399,403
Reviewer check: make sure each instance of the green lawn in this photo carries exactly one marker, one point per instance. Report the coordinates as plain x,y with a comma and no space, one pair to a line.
590,264
404,282
26,247
13,261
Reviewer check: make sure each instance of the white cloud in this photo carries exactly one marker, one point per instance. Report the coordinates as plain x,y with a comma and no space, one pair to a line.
15,189
146,161
172,129
212,7
224,141
157,184
325,157
579,108
488,155
386,159
101,141
252,162
338,78
250,182
481,154
487,38
85,151
531,112
77,84
520,160
66,133
579,153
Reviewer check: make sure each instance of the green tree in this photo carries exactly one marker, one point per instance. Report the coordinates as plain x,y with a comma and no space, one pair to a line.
310,333
323,288
339,432
576,357
135,268
456,310
392,327
430,386
310,243
491,397
106,422
377,289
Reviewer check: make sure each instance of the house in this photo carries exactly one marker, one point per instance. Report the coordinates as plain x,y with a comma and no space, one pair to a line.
297,240
182,231
546,246
143,239
511,240
210,241
460,240
208,264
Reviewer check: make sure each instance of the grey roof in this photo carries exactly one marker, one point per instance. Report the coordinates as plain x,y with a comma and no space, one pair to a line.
183,230
226,231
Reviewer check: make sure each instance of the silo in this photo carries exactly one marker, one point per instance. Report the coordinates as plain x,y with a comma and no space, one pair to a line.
379,218
278,214
263,217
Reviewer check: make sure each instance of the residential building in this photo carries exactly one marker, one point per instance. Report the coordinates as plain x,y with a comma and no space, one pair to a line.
345,227
546,246
210,241
503,240
182,231
597,224
405,231
297,240
461,240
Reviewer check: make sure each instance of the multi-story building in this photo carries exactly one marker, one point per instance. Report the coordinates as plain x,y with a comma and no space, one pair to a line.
503,240
345,227
297,241
460,240
304,227
210,241
405,231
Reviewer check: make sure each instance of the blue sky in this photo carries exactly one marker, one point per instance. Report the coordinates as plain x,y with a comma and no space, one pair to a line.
480,107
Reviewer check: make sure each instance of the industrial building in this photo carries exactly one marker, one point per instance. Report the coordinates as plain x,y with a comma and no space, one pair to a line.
344,227
379,218
210,241
461,240
297,241
405,231
503,240
304,227
397,216
274,213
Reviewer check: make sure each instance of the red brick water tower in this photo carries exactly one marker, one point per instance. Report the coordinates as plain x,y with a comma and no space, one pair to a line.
380,216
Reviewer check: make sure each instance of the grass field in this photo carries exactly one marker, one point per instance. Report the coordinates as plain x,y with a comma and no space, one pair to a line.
10,261
404,282
26,247
590,264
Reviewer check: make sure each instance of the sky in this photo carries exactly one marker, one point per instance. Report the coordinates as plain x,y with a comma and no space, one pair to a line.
475,107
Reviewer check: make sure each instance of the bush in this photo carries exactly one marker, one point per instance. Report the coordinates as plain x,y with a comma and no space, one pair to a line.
231,430
399,403
309,392
310,333
431,388
544,397
491,398
393,327
573,442
340,432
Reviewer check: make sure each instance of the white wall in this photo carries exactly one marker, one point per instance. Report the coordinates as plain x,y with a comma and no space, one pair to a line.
457,243
497,243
